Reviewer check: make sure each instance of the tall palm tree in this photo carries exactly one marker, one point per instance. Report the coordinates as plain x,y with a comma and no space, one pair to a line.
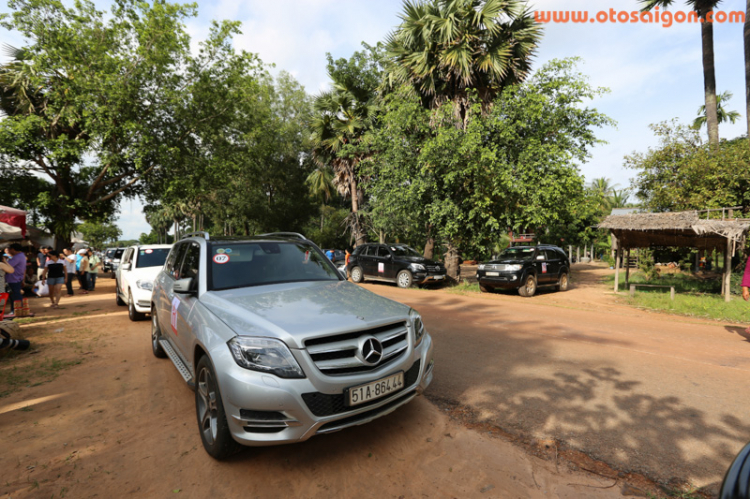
602,186
618,199
341,118
702,7
722,114
320,183
443,48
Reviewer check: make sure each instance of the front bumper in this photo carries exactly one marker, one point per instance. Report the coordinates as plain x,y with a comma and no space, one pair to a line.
266,410
428,277
506,280
142,299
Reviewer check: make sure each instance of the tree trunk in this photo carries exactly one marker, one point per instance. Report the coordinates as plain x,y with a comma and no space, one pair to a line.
747,66
359,236
451,263
709,82
429,245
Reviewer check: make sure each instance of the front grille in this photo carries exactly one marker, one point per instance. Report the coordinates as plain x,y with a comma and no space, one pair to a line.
432,268
351,420
323,404
337,355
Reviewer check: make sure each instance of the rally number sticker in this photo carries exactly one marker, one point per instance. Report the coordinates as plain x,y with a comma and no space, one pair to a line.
173,319
381,267
221,258
544,268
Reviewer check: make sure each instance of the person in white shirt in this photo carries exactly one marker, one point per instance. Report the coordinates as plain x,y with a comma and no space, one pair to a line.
70,268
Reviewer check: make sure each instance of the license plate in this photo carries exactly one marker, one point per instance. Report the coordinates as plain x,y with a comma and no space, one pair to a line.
493,274
375,390
438,277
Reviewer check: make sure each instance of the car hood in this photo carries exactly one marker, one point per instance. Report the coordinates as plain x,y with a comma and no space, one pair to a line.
149,273
294,312
507,261
417,259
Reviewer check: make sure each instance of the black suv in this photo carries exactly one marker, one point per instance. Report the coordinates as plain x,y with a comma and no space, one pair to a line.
526,268
393,263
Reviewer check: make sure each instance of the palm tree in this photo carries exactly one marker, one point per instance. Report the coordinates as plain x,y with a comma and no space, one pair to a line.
702,7
443,48
618,199
602,186
722,114
320,183
341,118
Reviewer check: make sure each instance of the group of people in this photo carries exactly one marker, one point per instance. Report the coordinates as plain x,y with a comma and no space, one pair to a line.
51,268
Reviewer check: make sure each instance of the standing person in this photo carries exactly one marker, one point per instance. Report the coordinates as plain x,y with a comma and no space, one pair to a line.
17,261
41,260
70,269
95,264
82,267
4,268
55,275
329,254
746,285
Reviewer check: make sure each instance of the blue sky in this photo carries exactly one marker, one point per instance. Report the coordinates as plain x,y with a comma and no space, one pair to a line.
654,73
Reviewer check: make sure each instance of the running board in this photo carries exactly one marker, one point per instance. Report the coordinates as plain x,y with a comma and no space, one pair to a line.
177,361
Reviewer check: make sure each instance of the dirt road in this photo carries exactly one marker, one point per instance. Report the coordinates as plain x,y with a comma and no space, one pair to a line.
94,414
645,392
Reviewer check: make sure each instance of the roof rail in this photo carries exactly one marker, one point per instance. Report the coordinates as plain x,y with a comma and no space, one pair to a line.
285,234
203,234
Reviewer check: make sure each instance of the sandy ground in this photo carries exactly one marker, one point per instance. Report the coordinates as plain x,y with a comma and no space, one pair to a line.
520,386
645,392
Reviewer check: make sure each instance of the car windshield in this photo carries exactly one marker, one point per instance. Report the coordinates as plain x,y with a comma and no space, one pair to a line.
151,257
524,254
239,265
110,253
404,251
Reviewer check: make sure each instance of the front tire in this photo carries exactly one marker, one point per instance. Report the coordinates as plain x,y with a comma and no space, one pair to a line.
564,282
357,275
133,314
485,289
404,279
209,409
156,336
529,287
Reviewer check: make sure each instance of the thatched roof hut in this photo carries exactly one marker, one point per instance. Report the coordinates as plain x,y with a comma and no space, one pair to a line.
679,229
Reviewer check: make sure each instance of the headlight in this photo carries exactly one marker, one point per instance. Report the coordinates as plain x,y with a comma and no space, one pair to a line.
481,267
419,329
144,284
416,267
513,268
265,355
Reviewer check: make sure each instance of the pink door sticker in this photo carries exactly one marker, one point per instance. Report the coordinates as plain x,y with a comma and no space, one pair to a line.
381,267
175,306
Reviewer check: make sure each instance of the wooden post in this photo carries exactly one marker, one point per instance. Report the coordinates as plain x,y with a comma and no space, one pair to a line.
617,269
697,261
728,271
627,268
578,254
570,252
671,293
593,257
614,245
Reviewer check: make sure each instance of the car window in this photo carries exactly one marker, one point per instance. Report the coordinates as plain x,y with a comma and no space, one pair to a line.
176,269
551,254
383,252
171,259
403,250
519,253
151,257
126,256
365,250
118,253
191,263
239,265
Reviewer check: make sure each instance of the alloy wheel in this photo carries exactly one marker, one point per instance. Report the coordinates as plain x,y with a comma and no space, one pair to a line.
207,408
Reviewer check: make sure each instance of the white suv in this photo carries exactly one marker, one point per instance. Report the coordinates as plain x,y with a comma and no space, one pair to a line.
138,268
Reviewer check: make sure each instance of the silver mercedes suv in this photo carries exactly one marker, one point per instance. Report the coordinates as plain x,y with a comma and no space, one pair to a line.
277,345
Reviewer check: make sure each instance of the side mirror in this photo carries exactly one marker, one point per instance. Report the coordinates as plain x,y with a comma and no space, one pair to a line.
125,266
184,286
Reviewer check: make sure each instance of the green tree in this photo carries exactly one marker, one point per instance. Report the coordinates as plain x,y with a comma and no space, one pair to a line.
511,168
342,117
98,234
444,48
702,8
90,103
722,115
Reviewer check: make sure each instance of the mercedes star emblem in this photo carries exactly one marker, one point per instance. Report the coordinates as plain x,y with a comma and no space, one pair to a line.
371,351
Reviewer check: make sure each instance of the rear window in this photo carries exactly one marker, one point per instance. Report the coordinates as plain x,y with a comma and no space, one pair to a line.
239,265
151,257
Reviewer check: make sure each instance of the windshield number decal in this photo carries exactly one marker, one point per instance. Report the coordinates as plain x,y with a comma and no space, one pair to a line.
221,258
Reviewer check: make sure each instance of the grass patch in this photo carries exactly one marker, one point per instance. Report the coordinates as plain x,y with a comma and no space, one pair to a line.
38,372
464,288
694,297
